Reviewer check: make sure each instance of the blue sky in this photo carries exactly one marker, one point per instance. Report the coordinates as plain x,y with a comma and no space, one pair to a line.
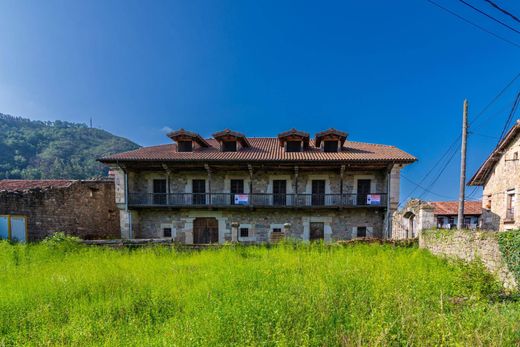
392,72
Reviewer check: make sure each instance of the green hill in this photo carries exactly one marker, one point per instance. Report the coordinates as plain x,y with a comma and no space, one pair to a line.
35,149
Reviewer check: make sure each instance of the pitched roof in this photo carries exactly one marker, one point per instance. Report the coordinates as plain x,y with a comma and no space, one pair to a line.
21,185
341,135
265,149
184,134
486,168
452,207
221,135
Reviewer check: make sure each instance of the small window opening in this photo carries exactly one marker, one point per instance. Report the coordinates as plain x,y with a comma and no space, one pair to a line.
229,146
244,232
167,232
277,230
330,146
362,232
293,146
184,146
515,156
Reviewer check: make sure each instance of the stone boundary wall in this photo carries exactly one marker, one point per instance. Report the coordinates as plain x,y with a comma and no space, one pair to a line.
469,246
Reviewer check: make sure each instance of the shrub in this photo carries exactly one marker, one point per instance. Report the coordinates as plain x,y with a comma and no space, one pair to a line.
509,244
62,241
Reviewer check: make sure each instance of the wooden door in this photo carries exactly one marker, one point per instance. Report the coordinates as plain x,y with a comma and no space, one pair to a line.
318,192
279,192
205,230
363,189
159,192
198,189
316,231
236,187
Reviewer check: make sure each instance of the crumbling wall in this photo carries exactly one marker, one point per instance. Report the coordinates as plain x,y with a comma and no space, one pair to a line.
85,209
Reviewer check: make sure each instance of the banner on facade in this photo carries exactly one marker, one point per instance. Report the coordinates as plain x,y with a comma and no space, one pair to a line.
241,199
373,199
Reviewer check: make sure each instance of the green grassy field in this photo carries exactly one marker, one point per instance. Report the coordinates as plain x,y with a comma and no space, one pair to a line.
293,295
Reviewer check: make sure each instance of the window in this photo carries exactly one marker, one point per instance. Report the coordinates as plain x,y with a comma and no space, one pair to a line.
515,156
277,230
236,187
510,205
467,222
199,192
330,146
361,231
440,222
184,146
293,146
244,232
451,221
167,232
159,192
229,146
317,231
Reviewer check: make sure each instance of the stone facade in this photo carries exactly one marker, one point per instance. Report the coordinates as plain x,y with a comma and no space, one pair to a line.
85,209
503,181
470,246
415,217
338,223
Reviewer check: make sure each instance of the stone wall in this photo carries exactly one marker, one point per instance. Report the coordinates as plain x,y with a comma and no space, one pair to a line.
85,209
504,178
338,224
416,216
469,246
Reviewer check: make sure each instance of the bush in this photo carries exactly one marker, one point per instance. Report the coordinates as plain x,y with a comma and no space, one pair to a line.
509,243
62,241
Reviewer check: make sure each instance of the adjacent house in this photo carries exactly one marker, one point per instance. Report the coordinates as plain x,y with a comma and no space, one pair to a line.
499,175
418,215
446,214
234,188
31,210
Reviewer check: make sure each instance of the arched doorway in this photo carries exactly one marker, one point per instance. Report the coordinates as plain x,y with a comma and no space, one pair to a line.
205,230
410,224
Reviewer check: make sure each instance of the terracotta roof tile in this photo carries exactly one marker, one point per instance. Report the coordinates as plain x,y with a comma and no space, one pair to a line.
452,207
21,185
265,149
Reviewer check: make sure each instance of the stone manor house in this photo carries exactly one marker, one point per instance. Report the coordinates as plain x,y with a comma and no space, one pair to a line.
234,188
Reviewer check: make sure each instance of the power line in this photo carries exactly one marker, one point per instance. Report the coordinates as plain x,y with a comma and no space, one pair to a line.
510,117
425,189
502,10
490,17
475,25
432,183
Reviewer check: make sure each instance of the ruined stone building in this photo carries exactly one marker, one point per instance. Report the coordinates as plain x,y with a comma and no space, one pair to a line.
418,215
499,175
234,188
85,209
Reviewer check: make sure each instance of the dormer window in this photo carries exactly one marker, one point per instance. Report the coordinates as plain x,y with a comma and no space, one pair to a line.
229,146
330,146
294,140
230,139
185,140
330,140
185,146
293,146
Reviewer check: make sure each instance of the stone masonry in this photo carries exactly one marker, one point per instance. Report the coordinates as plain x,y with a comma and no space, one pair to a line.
85,209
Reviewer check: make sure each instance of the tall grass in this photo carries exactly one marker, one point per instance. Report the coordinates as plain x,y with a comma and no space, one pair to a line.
291,295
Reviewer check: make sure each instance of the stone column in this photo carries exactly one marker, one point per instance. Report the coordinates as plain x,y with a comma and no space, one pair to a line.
234,232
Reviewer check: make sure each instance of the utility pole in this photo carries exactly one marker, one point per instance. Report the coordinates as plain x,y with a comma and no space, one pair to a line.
462,187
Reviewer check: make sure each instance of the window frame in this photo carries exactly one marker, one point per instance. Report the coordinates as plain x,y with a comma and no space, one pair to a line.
293,143
181,144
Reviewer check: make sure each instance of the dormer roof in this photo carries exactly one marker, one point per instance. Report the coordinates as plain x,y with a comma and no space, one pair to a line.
330,134
230,135
294,135
185,135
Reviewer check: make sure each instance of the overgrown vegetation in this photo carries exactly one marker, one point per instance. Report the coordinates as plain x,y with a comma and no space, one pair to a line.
509,243
293,294
35,149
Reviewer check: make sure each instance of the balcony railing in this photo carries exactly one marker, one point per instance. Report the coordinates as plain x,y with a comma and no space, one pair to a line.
256,200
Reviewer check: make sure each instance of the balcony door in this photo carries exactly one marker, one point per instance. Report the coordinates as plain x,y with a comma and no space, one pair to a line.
363,189
279,192
159,192
198,189
236,187
318,192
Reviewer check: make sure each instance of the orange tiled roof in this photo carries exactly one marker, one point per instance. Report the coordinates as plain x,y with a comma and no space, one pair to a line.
265,149
452,207
20,185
